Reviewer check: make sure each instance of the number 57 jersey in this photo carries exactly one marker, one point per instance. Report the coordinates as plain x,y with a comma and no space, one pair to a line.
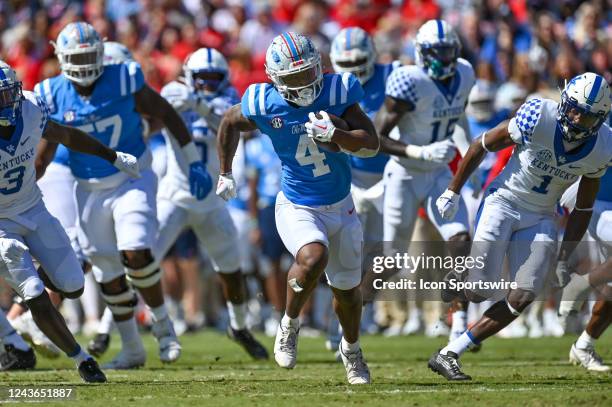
18,189
541,168
311,175
108,114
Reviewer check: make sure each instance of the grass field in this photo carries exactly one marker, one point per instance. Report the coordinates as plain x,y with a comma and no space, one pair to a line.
215,371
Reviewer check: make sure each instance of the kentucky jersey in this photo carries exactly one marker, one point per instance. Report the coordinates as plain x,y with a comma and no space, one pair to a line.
540,168
605,187
18,189
204,137
373,98
108,114
436,107
311,175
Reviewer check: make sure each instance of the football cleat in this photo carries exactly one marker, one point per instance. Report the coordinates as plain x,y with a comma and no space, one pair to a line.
27,328
90,372
448,366
285,346
98,345
169,345
357,371
126,360
16,359
588,358
245,339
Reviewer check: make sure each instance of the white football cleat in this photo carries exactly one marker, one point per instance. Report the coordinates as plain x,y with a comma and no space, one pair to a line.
127,360
357,371
27,328
588,358
285,346
169,345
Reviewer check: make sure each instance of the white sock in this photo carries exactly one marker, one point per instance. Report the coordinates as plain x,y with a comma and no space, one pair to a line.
461,344
237,315
106,322
89,299
459,321
79,356
585,341
350,347
159,313
128,330
292,322
16,340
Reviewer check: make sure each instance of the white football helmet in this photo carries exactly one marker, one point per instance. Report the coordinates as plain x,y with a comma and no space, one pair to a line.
116,53
584,107
206,71
294,66
481,101
10,95
437,49
80,52
353,51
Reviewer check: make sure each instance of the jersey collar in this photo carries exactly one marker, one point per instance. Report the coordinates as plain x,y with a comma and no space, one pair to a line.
10,145
563,157
450,92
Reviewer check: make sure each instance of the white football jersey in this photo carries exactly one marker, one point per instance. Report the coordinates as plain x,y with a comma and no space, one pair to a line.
436,108
205,140
18,189
540,168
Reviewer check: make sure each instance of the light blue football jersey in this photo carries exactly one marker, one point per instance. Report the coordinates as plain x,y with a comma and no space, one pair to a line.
109,115
605,187
311,175
263,161
373,98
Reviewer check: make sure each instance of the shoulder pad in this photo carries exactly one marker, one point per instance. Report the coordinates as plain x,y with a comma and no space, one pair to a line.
253,101
402,83
528,116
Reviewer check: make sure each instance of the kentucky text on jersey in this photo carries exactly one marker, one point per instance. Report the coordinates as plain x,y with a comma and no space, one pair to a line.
20,159
311,174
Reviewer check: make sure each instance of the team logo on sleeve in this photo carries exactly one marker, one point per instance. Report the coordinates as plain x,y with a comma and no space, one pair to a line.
69,116
544,155
276,122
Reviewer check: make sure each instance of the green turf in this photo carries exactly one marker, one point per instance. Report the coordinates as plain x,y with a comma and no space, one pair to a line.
215,371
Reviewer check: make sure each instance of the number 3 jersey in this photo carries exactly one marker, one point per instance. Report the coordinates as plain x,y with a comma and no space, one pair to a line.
311,174
540,168
436,107
18,189
108,114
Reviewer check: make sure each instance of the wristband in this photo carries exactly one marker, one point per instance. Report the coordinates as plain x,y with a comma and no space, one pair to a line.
415,152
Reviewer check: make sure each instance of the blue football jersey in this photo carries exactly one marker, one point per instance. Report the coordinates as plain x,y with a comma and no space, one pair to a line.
373,98
108,114
62,155
261,160
311,175
605,187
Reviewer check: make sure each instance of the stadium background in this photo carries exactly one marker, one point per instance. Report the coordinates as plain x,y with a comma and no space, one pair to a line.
534,44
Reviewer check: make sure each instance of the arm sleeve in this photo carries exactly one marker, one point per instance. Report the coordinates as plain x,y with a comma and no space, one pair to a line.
44,112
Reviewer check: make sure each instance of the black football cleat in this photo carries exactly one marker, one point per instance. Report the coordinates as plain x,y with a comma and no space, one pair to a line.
16,359
245,339
98,345
448,366
90,372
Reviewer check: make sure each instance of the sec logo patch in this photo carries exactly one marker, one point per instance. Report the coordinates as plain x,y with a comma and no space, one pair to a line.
276,122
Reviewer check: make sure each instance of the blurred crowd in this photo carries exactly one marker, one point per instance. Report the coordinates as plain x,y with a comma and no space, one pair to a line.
517,47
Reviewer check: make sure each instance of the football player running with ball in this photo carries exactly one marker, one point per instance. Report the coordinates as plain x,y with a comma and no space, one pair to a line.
313,120
554,146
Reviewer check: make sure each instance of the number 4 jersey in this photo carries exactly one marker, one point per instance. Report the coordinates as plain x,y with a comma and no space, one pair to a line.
109,115
311,175
18,189
540,168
